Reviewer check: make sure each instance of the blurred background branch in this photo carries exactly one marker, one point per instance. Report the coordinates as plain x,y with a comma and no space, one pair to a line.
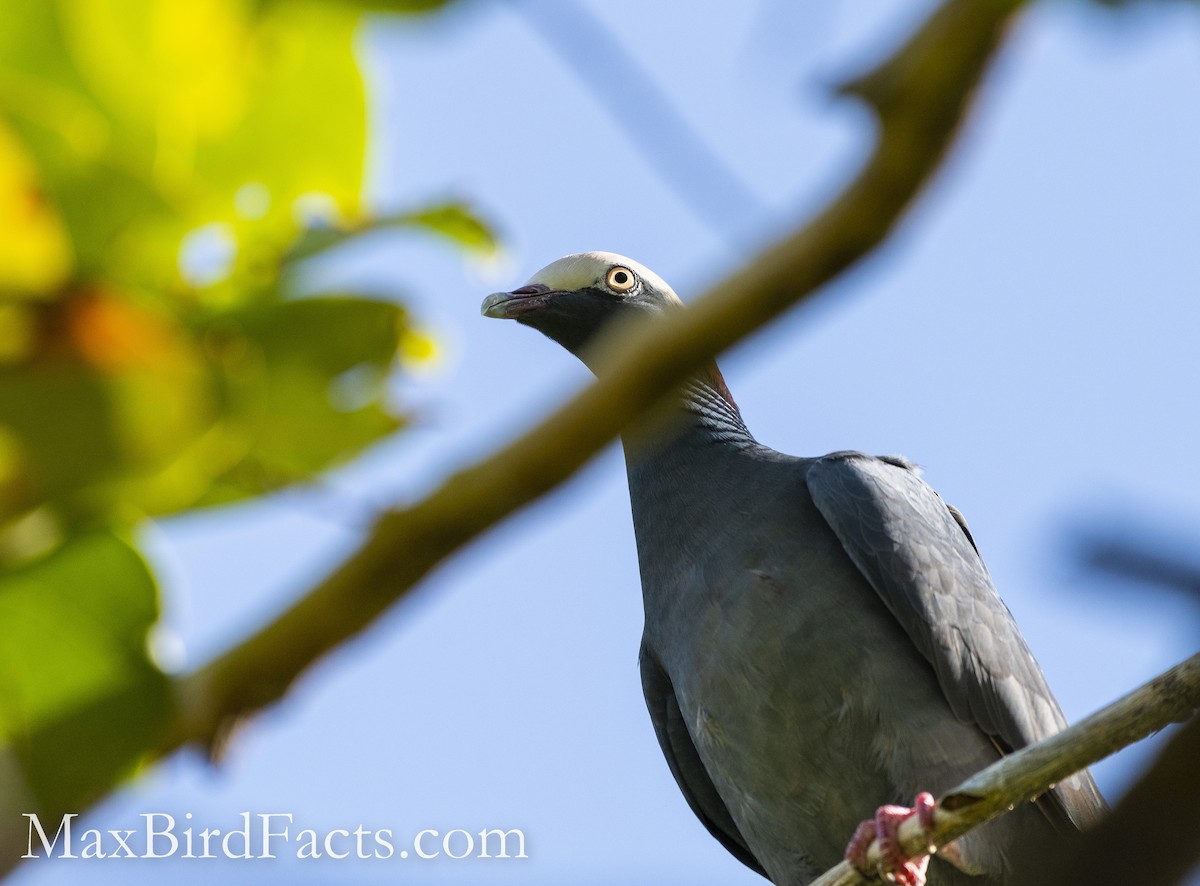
1138,555
1150,837
645,115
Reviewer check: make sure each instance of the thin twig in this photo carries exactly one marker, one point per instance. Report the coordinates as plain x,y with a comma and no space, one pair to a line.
1171,697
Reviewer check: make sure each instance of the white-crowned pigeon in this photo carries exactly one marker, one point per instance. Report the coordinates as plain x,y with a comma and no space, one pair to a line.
821,634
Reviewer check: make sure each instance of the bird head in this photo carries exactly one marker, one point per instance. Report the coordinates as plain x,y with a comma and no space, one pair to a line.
572,299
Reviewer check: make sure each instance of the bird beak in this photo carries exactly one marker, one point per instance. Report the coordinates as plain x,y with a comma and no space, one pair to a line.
506,305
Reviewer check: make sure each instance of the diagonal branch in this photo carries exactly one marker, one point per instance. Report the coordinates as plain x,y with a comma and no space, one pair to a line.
1172,697
920,96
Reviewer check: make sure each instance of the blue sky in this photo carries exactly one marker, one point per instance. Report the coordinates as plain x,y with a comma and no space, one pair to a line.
1029,337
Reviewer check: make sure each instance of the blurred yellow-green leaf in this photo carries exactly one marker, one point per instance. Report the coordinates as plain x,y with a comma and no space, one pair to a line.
111,388
74,662
153,415
163,163
95,173
303,387
35,256
454,221
187,150
458,223
404,7
150,117
417,346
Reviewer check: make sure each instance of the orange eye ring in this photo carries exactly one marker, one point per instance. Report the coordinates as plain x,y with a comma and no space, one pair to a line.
620,279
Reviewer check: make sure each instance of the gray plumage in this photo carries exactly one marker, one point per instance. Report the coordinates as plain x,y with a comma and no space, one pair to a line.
821,634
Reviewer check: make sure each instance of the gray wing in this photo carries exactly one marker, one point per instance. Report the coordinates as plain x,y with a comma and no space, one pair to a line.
685,762
918,555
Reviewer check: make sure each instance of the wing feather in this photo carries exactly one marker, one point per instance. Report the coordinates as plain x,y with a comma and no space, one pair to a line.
920,558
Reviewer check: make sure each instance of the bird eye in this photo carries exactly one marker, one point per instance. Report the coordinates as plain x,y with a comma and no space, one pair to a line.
620,279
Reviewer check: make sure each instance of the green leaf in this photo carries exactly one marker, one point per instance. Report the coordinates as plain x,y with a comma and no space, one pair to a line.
111,394
74,663
456,222
151,417
453,221
94,173
306,389
151,118
403,7
147,120
302,129
35,255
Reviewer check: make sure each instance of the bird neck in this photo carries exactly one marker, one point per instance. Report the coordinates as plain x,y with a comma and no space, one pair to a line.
688,474
704,413
706,399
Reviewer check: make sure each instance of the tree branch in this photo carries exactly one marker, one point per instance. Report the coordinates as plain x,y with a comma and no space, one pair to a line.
920,96
1150,836
1171,697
